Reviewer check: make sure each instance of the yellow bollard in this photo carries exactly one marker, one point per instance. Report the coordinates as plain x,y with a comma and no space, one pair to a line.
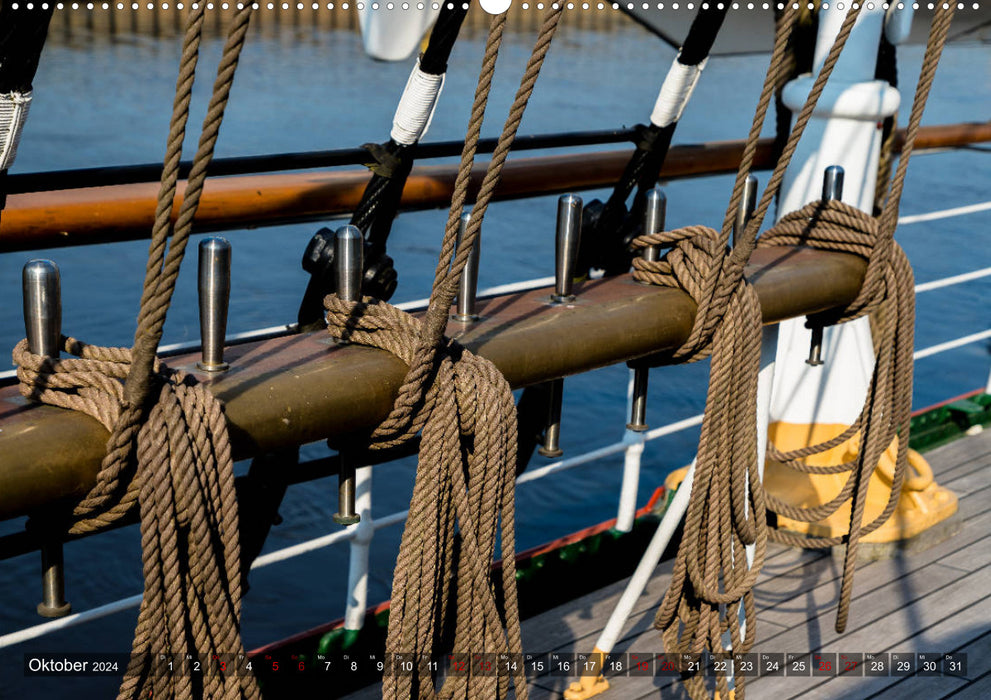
921,504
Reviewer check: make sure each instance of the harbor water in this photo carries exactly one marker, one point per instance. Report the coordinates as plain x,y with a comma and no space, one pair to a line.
106,100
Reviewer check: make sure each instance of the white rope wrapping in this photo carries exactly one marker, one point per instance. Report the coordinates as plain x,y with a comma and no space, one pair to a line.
13,113
416,106
675,92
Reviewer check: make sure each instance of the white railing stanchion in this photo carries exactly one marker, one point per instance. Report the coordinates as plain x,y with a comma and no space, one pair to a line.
631,469
645,569
631,480
364,531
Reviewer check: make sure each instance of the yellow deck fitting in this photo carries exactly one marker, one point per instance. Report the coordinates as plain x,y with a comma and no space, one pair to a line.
592,682
921,505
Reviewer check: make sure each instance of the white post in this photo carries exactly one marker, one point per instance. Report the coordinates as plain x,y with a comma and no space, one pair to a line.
364,530
845,130
631,470
658,543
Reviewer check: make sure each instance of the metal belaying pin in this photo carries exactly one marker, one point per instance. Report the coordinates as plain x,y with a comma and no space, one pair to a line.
653,222
349,249
214,285
569,231
567,239
42,307
815,349
43,328
832,189
552,435
349,258
748,202
468,284
832,183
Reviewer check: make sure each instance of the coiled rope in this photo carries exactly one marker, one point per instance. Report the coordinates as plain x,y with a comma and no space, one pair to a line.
711,579
888,294
168,450
465,479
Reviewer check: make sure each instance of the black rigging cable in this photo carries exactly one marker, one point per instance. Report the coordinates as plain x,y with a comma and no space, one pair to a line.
608,228
22,37
391,165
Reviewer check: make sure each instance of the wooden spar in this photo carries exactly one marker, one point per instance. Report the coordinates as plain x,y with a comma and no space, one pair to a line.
39,220
297,389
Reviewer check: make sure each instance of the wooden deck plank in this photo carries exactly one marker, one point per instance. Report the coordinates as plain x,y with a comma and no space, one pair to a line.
978,689
961,452
933,622
826,574
904,575
586,616
918,602
978,653
964,484
973,556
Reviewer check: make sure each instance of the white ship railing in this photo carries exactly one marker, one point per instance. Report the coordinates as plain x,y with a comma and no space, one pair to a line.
360,535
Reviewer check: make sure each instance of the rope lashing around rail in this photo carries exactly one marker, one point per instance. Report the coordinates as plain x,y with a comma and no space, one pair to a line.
709,583
169,450
465,480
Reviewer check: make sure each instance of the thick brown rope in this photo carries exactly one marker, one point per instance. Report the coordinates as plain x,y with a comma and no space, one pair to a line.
888,290
697,612
465,480
169,449
712,580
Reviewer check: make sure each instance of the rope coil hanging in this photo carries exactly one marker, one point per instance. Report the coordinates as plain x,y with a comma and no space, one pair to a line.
709,584
888,294
465,479
169,451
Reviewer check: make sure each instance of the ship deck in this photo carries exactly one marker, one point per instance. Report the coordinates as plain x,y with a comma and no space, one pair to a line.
933,600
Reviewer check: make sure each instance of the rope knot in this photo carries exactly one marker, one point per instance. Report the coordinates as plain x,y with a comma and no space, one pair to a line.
174,458
698,262
464,484
840,227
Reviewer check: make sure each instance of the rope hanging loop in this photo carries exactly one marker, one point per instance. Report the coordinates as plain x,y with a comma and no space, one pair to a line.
462,505
709,585
169,451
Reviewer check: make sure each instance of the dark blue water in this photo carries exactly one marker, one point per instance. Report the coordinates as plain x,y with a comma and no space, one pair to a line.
103,102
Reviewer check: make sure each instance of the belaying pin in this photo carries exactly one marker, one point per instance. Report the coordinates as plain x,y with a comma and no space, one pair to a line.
349,253
468,284
653,222
832,189
748,202
552,435
43,328
569,231
567,238
349,248
214,285
832,183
